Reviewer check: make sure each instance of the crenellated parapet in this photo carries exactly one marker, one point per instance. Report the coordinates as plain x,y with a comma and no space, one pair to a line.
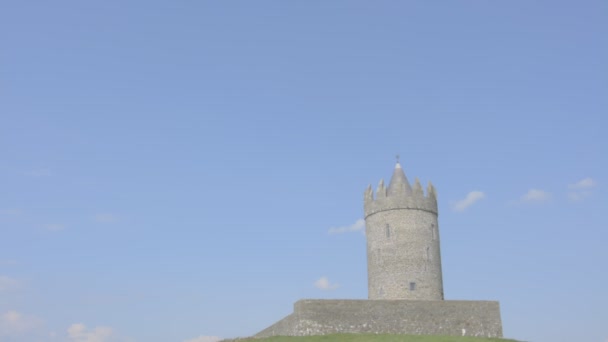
400,195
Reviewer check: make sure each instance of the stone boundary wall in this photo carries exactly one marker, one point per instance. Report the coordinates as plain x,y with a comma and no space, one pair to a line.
283,327
416,317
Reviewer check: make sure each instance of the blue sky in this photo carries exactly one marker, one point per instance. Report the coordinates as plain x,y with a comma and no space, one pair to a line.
171,170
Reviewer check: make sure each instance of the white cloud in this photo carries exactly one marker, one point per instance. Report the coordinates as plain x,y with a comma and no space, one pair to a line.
39,173
78,332
8,284
204,339
355,227
54,227
105,218
586,183
323,283
11,212
535,196
471,198
578,195
14,323
581,189
8,262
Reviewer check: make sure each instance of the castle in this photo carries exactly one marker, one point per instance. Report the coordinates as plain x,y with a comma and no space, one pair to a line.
403,259
405,284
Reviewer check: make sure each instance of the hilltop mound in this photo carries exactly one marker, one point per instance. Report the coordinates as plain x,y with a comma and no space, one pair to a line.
375,338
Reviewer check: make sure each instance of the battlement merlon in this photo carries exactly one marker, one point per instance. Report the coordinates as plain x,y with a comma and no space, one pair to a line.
400,195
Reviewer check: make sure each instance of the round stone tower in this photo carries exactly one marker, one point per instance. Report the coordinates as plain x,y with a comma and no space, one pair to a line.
403,257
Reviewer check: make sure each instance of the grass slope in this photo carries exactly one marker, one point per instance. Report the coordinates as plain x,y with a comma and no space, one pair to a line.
379,338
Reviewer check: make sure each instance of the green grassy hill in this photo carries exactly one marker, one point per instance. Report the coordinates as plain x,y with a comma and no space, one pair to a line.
379,338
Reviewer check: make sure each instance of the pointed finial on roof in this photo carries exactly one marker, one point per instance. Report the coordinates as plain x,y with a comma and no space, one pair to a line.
399,183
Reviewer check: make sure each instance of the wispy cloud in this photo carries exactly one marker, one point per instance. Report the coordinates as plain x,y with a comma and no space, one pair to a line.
13,323
581,189
468,201
578,195
8,284
8,262
11,212
106,218
358,226
323,283
37,173
583,184
54,227
535,196
78,332
204,339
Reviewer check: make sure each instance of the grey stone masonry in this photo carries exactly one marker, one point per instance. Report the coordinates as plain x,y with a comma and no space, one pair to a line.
405,284
456,318
402,229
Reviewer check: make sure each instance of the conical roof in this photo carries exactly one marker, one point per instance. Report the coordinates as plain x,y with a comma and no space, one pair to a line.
399,183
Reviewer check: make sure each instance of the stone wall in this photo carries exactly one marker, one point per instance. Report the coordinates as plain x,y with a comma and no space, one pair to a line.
402,233
284,327
405,285
456,318
403,255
